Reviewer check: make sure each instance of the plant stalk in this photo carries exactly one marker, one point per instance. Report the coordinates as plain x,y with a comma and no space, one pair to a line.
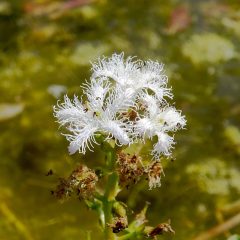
111,192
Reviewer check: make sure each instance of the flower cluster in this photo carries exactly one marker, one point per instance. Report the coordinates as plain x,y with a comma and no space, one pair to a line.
126,100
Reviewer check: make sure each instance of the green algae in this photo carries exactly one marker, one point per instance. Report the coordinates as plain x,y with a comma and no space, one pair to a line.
208,48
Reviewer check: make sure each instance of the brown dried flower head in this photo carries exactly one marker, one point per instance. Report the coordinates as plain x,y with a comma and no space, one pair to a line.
81,182
154,171
119,224
130,168
63,189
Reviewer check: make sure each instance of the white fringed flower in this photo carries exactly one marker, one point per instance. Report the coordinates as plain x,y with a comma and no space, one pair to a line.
157,121
133,76
117,88
100,114
163,146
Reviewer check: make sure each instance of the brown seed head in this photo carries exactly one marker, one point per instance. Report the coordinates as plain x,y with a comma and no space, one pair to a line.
160,229
119,224
130,168
154,171
81,182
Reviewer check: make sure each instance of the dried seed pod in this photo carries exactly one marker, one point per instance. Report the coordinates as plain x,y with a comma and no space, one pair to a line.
130,168
63,189
160,229
119,224
81,182
154,171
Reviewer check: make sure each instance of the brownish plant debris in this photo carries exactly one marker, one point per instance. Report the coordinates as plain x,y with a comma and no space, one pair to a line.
160,229
179,20
119,224
81,182
154,171
130,168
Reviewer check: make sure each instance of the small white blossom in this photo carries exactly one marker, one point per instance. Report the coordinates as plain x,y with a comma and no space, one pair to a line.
133,75
163,146
157,121
100,114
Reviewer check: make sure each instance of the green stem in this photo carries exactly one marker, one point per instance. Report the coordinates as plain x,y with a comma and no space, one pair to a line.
111,192
107,209
128,236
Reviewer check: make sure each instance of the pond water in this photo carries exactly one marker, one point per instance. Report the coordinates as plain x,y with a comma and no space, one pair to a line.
45,49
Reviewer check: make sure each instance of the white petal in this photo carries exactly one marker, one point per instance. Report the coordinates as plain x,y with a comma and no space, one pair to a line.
154,70
116,68
118,132
117,102
151,103
173,119
145,128
96,92
163,146
68,111
81,139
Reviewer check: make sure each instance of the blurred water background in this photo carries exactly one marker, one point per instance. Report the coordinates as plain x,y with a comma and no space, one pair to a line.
45,49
